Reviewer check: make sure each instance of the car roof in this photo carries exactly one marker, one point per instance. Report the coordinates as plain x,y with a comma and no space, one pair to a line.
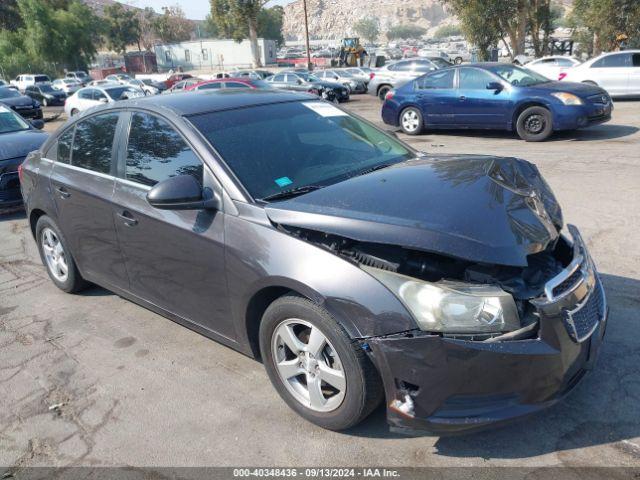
205,101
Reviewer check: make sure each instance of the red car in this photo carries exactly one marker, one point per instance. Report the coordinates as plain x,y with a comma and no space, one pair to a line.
220,83
175,78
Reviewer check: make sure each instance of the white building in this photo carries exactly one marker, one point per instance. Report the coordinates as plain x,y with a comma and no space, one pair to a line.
210,54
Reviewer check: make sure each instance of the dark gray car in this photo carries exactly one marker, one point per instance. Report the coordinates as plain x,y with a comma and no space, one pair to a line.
356,268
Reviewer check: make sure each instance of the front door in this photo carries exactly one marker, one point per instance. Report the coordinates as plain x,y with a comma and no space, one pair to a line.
82,182
436,95
476,106
612,73
175,259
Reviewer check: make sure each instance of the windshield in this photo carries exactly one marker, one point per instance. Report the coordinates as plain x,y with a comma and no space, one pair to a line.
11,122
296,144
344,73
307,77
46,89
9,93
518,76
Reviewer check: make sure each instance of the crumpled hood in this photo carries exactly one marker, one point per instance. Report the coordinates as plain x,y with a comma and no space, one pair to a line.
19,144
478,208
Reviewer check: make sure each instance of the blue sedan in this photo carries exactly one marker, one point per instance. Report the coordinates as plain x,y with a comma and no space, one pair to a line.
495,96
18,137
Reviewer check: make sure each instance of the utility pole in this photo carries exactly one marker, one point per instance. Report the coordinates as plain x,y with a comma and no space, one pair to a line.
306,34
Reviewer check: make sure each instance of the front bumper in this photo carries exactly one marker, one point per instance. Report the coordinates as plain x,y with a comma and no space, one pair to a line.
446,386
29,112
568,117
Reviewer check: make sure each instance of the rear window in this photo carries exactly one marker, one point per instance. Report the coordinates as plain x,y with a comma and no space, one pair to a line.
442,79
93,143
41,78
613,61
296,144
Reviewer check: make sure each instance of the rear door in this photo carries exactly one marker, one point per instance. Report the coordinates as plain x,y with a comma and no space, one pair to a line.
612,72
436,95
475,105
83,183
175,259
633,87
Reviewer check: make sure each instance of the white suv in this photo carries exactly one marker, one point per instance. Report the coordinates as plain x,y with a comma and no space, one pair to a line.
617,72
24,81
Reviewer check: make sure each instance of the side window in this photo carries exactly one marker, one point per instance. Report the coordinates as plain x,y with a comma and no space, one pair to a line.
564,62
278,78
156,152
636,60
97,95
442,79
86,94
613,61
236,85
402,66
93,143
63,153
423,66
210,86
474,79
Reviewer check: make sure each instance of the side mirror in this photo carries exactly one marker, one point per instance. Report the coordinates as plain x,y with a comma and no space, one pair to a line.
497,86
103,100
37,124
181,193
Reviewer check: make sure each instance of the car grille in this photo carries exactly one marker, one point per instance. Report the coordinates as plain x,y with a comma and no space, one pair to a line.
601,99
582,321
568,284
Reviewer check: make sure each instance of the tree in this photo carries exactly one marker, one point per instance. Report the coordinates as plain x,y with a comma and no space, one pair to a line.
239,18
121,28
148,36
601,22
270,24
172,26
10,18
405,31
368,28
447,31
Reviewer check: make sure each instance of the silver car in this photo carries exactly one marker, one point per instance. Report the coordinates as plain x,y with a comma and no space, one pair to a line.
362,74
398,73
345,78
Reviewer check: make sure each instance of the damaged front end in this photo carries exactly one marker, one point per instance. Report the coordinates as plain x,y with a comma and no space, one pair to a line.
509,312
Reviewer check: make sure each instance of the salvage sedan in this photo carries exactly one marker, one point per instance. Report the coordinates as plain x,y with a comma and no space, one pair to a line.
354,267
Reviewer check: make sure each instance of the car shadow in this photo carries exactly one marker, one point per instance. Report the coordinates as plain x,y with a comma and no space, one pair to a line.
596,132
603,409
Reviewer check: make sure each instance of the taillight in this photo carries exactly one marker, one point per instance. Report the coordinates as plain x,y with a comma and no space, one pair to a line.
20,172
562,76
371,75
389,95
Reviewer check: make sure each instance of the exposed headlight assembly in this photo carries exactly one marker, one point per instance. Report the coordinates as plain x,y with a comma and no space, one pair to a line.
568,98
452,307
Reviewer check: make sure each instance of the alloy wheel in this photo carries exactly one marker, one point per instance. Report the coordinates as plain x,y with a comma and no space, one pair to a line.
308,365
410,120
55,255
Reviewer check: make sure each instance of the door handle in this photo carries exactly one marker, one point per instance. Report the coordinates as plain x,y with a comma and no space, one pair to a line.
63,192
128,220
462,98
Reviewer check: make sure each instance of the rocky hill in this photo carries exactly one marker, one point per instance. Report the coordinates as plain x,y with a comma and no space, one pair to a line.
334,19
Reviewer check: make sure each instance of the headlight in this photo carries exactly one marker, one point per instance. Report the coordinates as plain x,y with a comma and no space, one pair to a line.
568,98
452,307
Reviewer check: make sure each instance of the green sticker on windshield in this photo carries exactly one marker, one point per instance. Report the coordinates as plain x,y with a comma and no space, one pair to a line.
283,181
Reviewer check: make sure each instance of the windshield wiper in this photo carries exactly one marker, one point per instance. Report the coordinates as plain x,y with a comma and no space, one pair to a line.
373,169
292,192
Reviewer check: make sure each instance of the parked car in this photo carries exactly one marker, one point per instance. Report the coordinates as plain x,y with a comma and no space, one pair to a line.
81,77
497,96
121,78
104,81
24,81
306,82
175,78
160,86
459,56
255,74
344,77
147,89
361,74
552,66
18,137
183,85
316,245
46,94
89,97
225,83
3,83
396,74
66,85
22,104
617,72
440,62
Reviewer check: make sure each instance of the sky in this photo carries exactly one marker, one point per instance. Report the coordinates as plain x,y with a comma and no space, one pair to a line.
194,9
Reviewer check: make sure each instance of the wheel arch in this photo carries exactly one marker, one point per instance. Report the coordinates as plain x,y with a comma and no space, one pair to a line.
521,107
34,216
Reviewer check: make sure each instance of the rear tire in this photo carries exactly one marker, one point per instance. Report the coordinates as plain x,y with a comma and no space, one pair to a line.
56,256
535,124
411,121
74,112
382,92
458,60
358,387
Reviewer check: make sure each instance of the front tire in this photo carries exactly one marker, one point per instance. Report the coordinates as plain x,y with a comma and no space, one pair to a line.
411,121
535,124
315,367
55,255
